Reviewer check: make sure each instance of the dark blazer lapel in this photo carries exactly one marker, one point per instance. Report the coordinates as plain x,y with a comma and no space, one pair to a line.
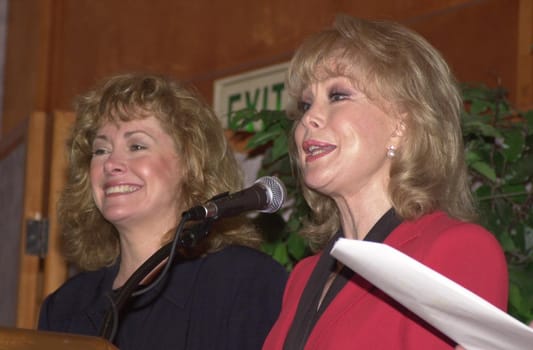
97,310
183,279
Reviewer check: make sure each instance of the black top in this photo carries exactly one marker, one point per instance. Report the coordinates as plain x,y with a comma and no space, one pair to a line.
226,300
308,313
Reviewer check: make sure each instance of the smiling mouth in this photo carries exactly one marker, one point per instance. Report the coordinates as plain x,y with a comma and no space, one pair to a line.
121,189
315,151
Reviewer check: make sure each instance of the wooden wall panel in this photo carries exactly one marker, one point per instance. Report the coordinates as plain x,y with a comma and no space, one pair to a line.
59,48
55,267
478,40
26,62
201,41
35,190
524,65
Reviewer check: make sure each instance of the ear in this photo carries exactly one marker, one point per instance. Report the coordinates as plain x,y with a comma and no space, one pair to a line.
400,129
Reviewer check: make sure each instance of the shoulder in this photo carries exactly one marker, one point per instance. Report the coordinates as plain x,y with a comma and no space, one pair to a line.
240,260
235,274
438,228
465,252
227,270
306,265
81,285
73,300
77,292
301,273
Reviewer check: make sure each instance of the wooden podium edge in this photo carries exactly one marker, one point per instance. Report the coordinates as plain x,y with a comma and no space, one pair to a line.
27,339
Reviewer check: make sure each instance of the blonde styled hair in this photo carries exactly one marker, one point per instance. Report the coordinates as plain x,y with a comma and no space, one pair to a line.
395,67
209,166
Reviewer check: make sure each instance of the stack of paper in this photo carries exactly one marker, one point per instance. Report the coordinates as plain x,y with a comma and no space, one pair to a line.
460,314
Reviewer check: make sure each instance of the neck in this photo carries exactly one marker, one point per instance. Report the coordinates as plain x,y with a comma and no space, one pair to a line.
360,213
135,249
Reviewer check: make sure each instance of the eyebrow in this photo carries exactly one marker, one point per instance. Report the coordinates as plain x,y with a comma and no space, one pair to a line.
127,134
131,133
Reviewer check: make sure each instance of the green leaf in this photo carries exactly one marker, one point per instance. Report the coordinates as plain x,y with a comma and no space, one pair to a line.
482,191
268,247
280,254
472,157
480,126
239,120
515,297
279,148
523,169
514,144
484,169
293,224
479,107
260,139
296,246
528,116
515,193
507,243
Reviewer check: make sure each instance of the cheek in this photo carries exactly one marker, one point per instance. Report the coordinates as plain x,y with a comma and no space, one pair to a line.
299,134
167,170
375,132
93,167
95,175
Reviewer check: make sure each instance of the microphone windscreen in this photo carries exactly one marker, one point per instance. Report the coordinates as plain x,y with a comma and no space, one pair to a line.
276,193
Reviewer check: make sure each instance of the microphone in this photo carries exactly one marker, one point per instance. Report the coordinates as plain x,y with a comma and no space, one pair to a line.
266,195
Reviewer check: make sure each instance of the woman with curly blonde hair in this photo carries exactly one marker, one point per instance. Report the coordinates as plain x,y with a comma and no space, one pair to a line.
378,145
144,149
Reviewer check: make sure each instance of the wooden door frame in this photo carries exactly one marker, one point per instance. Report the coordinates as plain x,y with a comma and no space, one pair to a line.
30,266
44,179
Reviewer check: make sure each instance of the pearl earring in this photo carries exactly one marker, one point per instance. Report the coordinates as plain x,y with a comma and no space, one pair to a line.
391,151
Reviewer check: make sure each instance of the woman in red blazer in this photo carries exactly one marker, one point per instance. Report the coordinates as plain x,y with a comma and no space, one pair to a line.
378,144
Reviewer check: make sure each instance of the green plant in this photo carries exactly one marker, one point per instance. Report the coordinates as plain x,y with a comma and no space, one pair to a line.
281,241
499,153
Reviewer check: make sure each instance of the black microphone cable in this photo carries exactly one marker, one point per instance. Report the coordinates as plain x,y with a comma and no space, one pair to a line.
110,325
111,320
274,192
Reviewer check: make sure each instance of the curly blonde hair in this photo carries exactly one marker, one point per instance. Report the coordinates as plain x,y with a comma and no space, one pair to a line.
210,168
398,69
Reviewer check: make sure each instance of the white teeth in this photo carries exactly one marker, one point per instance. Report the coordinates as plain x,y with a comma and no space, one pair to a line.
317,149
121,189
313,150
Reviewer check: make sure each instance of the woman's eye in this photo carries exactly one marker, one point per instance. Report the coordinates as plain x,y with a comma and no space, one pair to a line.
338,96
137,147
303,106
99,151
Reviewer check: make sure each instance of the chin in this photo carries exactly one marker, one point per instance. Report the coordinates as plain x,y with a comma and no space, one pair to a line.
115,217
316,185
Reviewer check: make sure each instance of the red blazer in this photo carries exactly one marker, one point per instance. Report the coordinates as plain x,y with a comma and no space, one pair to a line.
363,317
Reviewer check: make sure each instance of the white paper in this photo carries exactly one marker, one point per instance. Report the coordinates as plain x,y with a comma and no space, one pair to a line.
460,314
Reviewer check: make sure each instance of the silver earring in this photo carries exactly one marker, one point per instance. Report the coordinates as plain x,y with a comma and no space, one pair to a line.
391,151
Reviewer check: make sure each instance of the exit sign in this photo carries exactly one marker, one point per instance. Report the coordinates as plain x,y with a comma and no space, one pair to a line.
258,90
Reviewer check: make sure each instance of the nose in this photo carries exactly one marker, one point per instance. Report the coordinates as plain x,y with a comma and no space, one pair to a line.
114,164
314,117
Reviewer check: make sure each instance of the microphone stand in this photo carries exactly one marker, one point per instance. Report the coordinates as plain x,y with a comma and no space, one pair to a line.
110,325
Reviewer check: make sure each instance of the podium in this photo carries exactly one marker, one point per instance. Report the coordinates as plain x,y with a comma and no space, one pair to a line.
26,339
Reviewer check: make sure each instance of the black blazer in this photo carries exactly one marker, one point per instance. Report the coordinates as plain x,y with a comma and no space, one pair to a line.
226,300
